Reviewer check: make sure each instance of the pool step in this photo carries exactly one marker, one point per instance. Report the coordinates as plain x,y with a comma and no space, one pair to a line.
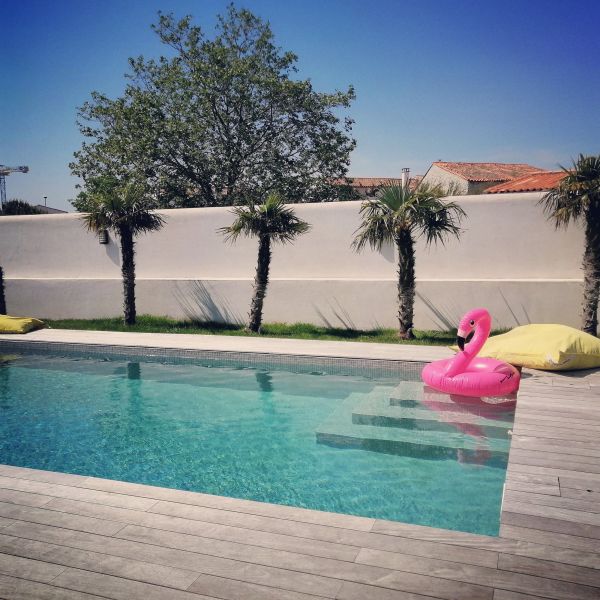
432,411
372,423
434,406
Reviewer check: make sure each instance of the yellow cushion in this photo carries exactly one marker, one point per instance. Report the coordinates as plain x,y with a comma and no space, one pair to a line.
549,347
19,324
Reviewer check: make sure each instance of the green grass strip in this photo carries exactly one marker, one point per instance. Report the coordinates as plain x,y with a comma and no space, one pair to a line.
300,331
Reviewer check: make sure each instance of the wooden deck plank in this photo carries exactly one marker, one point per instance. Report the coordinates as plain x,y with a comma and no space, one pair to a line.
204,564
353,538
316,540
120,589
59,519
97,562
15,588
54,490
564,448
580,494
552,457
558,472
532,488
28,569
408,581
359,591
547,524
592,506
213,531
552,512
229,589
550,570
549,538
578,482
512,581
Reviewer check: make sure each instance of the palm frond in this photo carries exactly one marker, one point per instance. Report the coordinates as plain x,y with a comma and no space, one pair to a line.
271,218
576,193
377,226
398,208
438,219
119,206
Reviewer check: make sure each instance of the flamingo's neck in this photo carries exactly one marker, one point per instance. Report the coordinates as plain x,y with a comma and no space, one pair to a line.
461,359
482,332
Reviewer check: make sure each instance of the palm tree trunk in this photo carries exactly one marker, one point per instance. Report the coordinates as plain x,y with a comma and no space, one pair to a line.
2,296
261,280
128,273
406,283
591,272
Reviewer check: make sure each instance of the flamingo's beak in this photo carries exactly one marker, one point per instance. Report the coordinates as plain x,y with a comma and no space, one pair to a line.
463,337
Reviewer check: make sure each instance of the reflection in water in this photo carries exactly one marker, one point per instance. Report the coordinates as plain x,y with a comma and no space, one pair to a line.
265,381
4,386
134,370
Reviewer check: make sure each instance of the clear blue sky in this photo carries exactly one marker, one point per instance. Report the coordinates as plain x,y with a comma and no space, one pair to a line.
512,81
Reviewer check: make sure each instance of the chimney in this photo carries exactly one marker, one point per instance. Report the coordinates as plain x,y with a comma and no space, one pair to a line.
405,177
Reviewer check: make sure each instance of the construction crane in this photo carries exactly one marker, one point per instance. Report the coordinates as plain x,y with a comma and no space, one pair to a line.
4,171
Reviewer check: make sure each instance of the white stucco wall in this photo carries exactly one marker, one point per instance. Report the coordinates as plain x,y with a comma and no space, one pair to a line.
438,176
510,259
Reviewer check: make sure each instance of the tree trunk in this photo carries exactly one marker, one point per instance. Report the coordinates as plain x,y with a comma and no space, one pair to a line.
591,271
406,283
2,296
261,280
128,273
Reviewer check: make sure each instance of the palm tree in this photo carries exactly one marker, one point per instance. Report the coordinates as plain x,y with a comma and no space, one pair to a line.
270,222
577,198
126,210
399,215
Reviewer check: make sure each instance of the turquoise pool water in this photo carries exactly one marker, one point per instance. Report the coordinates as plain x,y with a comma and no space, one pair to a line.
345,443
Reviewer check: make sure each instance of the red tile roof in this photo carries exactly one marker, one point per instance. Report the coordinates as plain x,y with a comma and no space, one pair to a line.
368,182
372,181
487,171
536,182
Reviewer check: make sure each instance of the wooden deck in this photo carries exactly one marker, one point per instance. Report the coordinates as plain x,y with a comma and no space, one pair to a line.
81,538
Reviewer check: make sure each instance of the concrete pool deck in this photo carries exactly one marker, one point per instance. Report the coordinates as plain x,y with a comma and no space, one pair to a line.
81,538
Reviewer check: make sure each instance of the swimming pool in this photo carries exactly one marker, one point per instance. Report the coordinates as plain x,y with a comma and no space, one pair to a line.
347,442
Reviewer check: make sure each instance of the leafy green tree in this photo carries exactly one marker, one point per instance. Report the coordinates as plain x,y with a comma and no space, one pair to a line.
218,119
398,215
577,198
123,208
19,207
270,222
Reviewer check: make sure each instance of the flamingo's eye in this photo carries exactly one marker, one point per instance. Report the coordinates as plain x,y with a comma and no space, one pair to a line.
471,323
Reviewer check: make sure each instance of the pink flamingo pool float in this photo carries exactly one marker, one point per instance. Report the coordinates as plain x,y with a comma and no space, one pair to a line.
465,373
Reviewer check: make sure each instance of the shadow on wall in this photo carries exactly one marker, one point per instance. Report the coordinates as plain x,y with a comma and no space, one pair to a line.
447,317
112,250
200,305
388,252
342,316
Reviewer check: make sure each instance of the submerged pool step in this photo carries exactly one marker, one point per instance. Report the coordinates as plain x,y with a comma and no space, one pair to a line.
412,429
437,441
431,422
380,413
